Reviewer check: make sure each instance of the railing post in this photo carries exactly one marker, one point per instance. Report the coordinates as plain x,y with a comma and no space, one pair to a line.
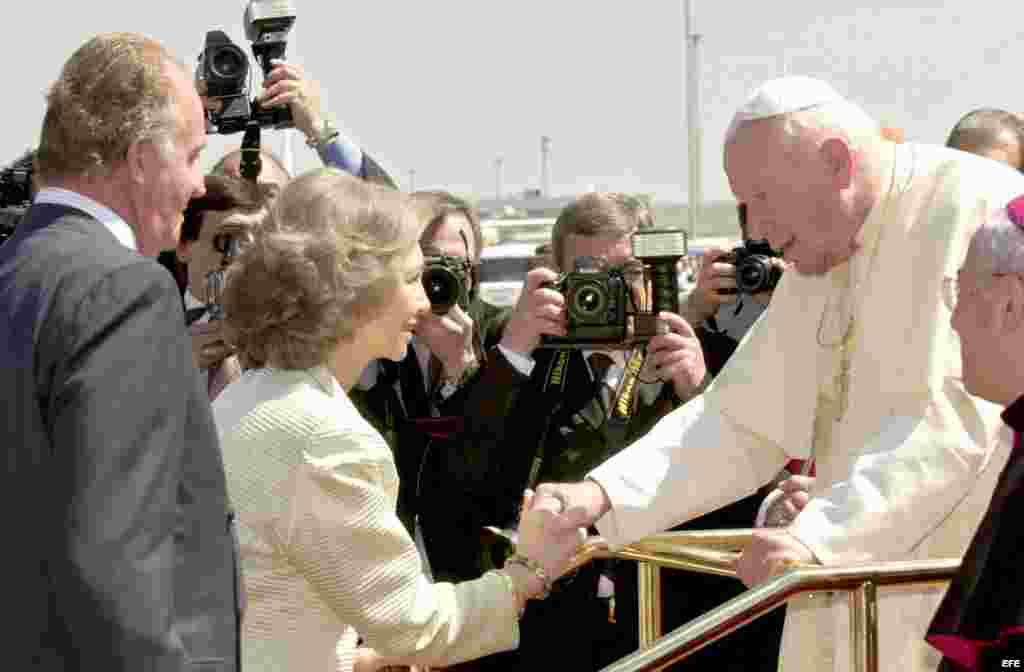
864,627
649,599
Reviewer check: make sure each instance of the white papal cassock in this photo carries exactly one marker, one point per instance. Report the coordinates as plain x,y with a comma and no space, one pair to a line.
905,467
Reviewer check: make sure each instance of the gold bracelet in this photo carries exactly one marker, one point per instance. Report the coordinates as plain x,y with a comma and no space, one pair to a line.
538,571
510,584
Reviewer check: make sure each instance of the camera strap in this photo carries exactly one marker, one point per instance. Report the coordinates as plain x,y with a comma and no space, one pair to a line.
554,389
625,399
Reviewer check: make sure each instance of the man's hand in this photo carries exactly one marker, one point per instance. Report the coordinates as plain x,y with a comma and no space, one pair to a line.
705,299
677,357
549,533
450,338
770,553
786,501
208,345
540,310
581,503
288,85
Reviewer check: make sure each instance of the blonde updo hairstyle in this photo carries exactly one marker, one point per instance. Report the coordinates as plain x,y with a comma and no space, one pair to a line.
325,259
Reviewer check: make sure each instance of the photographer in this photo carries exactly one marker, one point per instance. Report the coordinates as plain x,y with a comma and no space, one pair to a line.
436,407
287,85
554,434
719,313
230,207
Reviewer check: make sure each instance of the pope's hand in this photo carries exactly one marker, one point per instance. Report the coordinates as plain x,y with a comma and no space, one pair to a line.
786,501
581,503
549,534
770,553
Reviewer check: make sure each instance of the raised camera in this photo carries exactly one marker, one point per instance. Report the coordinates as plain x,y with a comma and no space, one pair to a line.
446,281
16,193
616,306
223,75
755,270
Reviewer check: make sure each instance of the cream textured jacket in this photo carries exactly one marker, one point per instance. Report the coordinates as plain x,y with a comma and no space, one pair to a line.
325,558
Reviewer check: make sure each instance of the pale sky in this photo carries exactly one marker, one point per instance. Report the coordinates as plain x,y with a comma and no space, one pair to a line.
446,86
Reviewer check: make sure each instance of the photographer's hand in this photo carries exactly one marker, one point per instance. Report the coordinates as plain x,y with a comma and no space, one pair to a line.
677,357
450,338
208,345
288,85
540,310
705,299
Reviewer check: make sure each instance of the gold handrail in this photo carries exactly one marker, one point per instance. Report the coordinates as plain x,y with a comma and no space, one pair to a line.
702,551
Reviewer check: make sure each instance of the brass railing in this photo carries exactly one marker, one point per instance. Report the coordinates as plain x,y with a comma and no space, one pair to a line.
715,552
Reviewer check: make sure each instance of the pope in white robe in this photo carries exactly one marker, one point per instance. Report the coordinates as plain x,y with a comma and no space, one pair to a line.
854,364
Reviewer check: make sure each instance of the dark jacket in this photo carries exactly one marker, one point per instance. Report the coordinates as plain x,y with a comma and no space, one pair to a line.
114,488
399,406
980,621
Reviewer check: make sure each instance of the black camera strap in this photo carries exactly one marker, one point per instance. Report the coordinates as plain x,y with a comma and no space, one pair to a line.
554,390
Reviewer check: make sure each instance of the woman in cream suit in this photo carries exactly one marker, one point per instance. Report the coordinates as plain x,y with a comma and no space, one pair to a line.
332,282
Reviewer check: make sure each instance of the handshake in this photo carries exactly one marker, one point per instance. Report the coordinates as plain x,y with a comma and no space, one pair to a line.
552,526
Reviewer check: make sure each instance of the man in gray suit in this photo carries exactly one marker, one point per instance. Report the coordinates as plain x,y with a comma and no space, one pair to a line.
122,552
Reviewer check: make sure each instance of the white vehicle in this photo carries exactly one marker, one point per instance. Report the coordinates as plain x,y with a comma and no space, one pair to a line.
503,270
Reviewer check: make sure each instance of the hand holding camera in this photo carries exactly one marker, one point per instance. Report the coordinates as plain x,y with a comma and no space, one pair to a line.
450,338
752,268
539,311
288,85
676,356
208,345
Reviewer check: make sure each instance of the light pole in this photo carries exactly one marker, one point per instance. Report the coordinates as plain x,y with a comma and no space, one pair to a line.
545,166
695,196
412,180
499,164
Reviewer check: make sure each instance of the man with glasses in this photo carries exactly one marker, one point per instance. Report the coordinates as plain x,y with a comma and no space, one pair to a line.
979,622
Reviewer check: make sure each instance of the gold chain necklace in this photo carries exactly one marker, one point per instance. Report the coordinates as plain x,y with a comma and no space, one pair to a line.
850,292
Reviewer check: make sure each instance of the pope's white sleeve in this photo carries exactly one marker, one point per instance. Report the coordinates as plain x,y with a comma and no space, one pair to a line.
904,482
694,460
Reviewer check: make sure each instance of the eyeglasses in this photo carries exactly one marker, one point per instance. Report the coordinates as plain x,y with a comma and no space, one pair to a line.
952,289
950,292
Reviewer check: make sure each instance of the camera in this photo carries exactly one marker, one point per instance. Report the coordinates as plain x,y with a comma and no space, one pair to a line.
755,271
602,307
16,193
446,281
223,75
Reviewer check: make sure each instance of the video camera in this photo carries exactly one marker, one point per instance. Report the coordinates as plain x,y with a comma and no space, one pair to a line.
223,76
601,304
16,193
755,271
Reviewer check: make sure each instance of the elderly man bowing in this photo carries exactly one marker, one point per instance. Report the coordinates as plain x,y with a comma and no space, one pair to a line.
854,365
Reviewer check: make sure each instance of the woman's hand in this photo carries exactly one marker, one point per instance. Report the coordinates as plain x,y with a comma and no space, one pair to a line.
544,535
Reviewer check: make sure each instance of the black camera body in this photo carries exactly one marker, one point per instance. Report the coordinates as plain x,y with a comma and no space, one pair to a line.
601,309
595,301
447,281
223,74
755,271
16,193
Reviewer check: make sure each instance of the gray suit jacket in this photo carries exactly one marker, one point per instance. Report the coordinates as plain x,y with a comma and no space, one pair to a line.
113,497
